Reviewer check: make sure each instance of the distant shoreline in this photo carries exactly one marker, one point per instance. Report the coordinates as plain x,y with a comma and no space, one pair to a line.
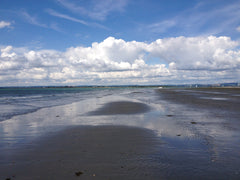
217,85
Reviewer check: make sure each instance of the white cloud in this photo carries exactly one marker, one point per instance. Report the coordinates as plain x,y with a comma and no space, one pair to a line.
6,52
194,53
115,61
33,73
4,24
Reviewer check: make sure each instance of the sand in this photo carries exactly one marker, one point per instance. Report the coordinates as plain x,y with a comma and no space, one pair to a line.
225,99
89,152
206,148
121,107
101,152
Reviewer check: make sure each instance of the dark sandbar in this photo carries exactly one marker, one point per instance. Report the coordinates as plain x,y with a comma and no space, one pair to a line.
205,98
101,152
121,107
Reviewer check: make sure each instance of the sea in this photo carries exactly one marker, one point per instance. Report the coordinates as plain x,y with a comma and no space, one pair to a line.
199,128
17,101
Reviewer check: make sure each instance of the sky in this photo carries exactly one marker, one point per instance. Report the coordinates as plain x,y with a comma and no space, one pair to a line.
119,42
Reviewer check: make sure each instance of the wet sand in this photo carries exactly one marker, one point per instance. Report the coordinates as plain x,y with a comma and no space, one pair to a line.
187,140
89,152
221,99
121,107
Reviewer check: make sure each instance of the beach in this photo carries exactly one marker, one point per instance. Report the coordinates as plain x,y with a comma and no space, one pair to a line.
102,152
138,133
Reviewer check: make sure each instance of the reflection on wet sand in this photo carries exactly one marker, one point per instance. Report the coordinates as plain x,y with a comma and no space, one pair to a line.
191,137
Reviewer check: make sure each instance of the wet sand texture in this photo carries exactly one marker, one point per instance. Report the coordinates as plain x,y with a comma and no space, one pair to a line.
202,99
101,152
121,107
121,152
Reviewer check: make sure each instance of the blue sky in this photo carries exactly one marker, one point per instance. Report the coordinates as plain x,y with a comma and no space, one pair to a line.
145,36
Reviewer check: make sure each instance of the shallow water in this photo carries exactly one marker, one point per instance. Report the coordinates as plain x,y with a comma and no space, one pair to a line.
199,142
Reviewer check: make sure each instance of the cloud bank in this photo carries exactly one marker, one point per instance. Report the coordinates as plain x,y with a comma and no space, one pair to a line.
117,62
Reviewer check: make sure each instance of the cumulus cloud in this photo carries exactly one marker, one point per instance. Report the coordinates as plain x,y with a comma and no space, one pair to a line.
4,24
6,52
115,61
195,53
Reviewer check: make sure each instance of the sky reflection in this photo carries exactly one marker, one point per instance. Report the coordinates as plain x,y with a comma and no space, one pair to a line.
180,126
